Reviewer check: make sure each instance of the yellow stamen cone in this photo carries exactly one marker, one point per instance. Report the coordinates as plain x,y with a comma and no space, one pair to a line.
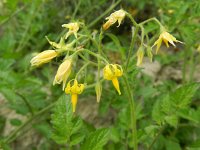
116,85
74,98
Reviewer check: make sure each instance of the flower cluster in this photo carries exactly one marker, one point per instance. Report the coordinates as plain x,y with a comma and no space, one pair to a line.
110,71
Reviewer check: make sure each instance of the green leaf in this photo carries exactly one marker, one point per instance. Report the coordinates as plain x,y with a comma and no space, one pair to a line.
172,120
76,138
183,95
189,114
151,130
171,145
15,122
64,124
96,140
195,144
157,113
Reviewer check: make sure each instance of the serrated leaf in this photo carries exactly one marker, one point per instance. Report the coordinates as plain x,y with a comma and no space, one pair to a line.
151,130
64,124
189,114
157,113
183,95
76,138
172,120
96,140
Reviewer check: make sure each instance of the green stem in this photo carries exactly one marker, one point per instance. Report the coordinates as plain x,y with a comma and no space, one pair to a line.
103,14
26,102
156,137
134,36
94,54
192,65
152,19
76,9
84,58
82,68
13,135
133,113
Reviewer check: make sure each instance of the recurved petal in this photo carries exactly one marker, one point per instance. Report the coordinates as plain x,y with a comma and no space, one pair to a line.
68,88
107,72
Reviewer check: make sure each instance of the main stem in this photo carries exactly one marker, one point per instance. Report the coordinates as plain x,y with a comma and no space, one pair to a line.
131,47
133,114
127,85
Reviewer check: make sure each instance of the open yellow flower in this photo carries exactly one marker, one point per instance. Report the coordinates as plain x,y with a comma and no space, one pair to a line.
112,72
63,72
114,17
167,38
73,29
74,90
43,57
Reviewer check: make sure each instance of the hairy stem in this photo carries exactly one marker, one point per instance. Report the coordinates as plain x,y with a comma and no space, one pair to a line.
103,14
133,113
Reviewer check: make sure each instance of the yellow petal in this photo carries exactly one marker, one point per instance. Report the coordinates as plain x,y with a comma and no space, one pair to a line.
116,85
68,88
74,98
107,72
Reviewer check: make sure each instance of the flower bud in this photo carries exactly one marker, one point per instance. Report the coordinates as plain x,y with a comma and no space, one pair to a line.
98,89
43,57
140,55
63,72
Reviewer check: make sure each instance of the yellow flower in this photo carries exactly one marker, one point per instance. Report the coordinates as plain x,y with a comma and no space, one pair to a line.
114,17
43,57
74,90
140,55
73,29
166,37
63,72
112,72
98,89
61,44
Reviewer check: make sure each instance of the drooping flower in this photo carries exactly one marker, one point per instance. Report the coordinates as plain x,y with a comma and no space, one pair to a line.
73,29
74,89
112,72
167,38
43,57
114,17
63,72
140,55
